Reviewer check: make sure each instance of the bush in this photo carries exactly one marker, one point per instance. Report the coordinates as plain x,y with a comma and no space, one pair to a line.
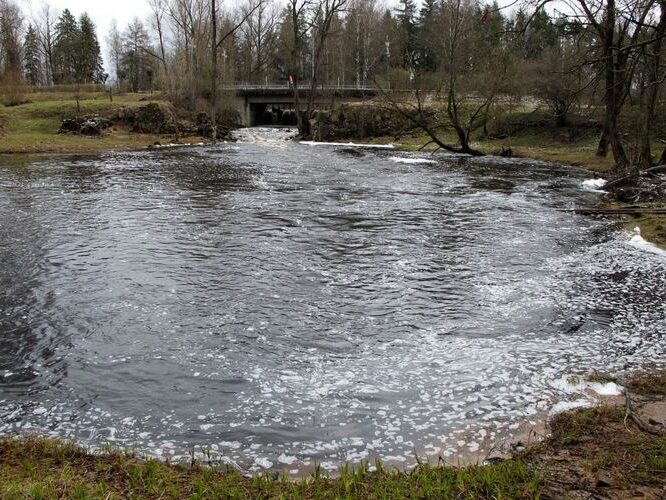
151,118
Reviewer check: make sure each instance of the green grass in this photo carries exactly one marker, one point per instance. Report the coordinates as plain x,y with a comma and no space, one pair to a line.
596,450
33,127
578,426
42,468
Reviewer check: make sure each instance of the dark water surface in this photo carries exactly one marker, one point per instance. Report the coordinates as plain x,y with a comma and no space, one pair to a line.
280,304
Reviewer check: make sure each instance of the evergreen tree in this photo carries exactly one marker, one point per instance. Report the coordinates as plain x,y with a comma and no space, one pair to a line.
490,27
32,61
89,64
406,16
66,48
541,34
517,38
425,36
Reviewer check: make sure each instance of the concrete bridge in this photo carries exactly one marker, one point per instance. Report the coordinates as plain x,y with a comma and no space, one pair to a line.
253,101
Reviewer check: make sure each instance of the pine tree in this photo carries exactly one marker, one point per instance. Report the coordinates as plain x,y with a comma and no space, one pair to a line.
65,50
541,34
89,67
406,16
426,31
490,28
32,61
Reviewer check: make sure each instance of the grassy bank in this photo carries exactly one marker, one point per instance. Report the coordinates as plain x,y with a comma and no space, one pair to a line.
611,451
530,144
37,468
32,127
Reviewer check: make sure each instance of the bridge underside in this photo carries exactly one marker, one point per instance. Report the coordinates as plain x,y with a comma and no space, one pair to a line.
274,108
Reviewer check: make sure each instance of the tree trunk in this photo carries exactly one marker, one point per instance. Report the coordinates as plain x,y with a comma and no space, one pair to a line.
602,148
653,63
619,155
213,83
613,95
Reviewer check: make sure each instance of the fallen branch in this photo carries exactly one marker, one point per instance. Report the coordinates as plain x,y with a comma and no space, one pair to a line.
658,169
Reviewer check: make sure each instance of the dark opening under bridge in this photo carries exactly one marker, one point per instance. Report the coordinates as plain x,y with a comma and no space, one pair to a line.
252,101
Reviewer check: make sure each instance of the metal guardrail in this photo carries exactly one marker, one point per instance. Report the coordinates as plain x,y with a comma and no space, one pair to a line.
301,86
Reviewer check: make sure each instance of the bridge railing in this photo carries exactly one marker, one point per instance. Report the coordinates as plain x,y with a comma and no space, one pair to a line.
301,86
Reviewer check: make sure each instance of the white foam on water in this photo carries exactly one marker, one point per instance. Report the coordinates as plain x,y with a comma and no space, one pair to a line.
263,462
287,460
594,184
641,243
348,144
607,389
563,406
397,159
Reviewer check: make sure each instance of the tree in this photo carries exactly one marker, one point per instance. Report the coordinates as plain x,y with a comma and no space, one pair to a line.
214,48
652,55
406,16
296,19
114,41
66,49
89,64
619,30
540,34
136,64
426,30
159,8
466,63
32,62
323,13
258,39
44,25
11,24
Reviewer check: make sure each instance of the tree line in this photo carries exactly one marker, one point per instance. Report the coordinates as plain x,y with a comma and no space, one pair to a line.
58,50
465,58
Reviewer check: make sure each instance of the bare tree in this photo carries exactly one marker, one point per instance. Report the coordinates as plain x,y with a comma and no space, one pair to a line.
314,18
11,34
652,57
44,23
438,104
297,10
619,28
215,47
259,39
159,10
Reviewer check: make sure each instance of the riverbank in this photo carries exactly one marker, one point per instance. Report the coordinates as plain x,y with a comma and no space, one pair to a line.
615,450
32,128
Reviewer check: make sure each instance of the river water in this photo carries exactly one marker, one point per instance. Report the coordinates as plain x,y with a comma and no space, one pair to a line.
277,304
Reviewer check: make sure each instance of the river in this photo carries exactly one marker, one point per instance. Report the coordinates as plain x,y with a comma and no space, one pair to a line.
275,304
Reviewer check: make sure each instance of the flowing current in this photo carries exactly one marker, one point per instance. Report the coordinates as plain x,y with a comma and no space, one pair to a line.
277,305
